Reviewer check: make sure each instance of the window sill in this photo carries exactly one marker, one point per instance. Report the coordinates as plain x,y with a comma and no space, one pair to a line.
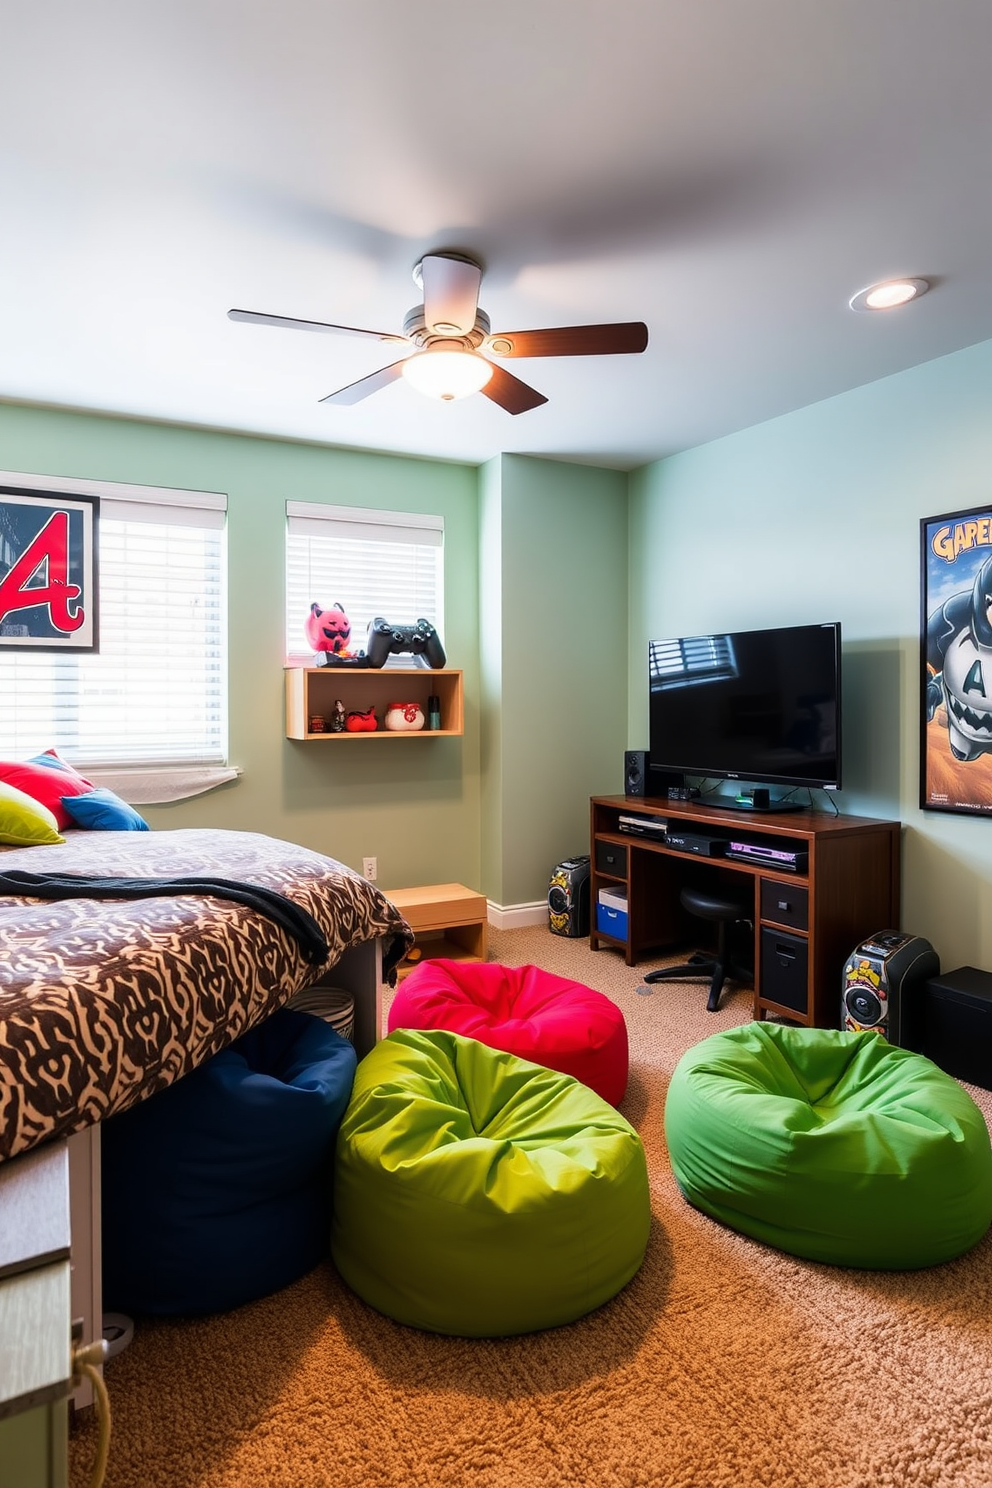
159,784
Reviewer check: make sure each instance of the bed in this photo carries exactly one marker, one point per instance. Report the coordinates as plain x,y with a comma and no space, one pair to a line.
105,1001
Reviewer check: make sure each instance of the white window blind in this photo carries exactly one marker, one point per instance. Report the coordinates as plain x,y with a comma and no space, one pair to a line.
370,562
156,692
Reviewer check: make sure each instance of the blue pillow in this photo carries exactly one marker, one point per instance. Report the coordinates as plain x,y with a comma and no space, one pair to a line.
102,811
54,761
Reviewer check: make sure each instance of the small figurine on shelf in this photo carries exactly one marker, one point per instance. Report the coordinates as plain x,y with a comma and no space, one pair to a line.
328,630
361,723
337,717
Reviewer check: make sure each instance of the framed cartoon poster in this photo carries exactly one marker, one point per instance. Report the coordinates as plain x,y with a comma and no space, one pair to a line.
956,644
48,571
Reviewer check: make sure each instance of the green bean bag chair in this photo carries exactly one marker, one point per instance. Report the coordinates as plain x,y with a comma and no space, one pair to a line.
479,1195
834,1146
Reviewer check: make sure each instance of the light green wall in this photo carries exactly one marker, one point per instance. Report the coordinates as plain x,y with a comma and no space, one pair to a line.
810,517
815,516
491,675
554,587
414,805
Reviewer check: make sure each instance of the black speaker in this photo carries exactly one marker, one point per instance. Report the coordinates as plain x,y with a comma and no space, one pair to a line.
568,898
883,982
635,772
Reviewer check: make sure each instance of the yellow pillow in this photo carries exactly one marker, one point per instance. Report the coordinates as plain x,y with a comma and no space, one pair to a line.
24,822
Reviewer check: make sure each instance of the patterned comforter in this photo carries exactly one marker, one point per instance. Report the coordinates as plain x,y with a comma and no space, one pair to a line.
103,1002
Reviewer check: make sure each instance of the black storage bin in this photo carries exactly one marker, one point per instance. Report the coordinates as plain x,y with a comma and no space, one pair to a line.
957,1024
784,969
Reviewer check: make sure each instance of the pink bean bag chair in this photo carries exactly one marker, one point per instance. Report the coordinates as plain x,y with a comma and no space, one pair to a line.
522,1010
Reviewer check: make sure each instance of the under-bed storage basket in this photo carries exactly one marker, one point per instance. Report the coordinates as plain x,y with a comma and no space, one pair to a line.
216,1189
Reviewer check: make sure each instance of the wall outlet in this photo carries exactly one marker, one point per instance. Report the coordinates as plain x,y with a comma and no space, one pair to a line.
370,869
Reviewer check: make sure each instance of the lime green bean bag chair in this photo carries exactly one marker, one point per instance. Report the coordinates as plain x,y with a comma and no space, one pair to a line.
480,1195
834,1146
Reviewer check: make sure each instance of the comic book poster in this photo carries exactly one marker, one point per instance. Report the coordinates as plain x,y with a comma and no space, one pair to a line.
48,571
956,702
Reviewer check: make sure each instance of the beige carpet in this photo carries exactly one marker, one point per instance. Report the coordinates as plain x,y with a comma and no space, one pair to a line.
722,1363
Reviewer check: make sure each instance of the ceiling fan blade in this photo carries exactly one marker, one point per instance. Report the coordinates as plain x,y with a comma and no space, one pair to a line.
356,391
451,293
510,393
257,317
591,340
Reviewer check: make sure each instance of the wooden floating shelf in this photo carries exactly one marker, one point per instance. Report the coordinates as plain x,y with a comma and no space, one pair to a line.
311,691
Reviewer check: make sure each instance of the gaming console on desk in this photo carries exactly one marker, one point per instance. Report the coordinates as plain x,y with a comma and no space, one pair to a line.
695,842
421,640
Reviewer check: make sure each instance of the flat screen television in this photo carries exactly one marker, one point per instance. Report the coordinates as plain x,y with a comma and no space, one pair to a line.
761,706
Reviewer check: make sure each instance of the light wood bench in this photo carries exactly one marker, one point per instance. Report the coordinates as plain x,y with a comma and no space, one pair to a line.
448,921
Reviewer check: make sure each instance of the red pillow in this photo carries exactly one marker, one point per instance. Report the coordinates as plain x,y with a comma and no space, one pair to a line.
46,783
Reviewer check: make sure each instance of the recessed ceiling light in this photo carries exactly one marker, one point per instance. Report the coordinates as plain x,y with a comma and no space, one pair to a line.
889,294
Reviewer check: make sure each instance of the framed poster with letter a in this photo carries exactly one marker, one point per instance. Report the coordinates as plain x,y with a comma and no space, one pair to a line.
956,645
48,571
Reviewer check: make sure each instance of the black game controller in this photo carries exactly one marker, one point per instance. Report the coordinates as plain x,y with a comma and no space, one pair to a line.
422,640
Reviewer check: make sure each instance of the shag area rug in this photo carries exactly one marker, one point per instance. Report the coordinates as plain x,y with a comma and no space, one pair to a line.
723,1364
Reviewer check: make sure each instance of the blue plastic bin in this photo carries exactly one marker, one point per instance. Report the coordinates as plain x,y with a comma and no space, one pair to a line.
611,913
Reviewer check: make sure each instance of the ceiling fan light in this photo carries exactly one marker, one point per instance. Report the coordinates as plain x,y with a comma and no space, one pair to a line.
889,294
447,374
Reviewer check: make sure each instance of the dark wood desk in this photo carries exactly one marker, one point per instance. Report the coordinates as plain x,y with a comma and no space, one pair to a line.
806,923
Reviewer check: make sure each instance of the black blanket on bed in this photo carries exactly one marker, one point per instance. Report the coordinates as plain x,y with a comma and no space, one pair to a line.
292,918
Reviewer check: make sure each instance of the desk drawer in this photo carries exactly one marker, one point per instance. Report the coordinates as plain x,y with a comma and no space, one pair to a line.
611,859
784,966
785,904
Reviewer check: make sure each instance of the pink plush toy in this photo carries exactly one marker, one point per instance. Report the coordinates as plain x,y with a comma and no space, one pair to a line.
328,630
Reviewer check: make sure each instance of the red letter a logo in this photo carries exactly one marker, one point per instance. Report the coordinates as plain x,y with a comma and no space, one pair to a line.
50,549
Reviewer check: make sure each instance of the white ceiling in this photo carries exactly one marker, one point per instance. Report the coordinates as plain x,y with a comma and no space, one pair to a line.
729,171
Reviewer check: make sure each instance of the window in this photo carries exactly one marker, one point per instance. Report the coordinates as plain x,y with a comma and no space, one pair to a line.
156,692
370,562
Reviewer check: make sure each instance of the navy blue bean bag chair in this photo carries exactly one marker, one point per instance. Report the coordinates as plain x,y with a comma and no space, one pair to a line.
216,1190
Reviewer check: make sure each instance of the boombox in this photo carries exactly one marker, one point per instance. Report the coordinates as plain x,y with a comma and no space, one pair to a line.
568,898
883,986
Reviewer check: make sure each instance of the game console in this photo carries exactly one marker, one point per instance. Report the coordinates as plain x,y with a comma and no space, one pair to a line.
793,860
695,842
644,826
385,640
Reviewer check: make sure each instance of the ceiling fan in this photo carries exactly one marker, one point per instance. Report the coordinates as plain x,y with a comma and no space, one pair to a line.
446,336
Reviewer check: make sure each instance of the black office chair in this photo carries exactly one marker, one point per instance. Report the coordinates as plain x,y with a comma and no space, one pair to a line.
726,909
